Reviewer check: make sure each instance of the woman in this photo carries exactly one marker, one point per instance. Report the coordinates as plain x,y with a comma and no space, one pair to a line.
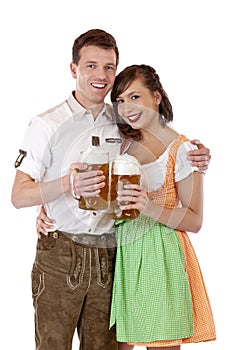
159,297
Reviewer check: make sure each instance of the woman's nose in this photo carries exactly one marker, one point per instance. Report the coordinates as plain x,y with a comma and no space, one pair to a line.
128,107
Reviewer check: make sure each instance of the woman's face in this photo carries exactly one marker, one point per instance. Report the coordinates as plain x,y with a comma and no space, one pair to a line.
138,106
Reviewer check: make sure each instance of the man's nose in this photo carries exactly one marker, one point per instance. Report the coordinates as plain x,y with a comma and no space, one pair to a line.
101,72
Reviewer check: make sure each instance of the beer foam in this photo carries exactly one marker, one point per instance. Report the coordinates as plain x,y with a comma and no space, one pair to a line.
125,164
94,156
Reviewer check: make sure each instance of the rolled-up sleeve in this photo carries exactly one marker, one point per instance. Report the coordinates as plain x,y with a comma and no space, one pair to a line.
36,143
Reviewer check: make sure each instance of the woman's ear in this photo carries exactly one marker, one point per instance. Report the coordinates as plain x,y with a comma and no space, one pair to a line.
158,97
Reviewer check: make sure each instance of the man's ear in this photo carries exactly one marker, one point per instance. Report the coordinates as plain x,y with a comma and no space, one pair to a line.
73,69
158,97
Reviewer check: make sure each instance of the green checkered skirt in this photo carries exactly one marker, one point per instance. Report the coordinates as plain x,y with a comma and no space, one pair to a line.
151,294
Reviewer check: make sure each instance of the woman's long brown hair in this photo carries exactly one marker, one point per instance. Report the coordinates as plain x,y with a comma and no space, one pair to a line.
150,80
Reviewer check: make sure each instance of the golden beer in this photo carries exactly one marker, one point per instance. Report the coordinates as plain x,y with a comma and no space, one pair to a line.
118,182
96,159
100,202
125,170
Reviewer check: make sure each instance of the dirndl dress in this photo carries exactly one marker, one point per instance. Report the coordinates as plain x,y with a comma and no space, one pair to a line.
159,297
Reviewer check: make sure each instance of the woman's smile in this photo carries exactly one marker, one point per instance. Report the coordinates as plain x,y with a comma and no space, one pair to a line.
133,118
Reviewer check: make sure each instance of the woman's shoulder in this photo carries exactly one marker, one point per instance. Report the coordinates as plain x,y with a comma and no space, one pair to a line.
183,166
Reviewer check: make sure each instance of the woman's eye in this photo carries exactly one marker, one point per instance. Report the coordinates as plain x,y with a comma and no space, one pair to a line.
134,97
119,102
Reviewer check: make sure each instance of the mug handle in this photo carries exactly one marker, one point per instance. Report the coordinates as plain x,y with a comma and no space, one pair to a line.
74,171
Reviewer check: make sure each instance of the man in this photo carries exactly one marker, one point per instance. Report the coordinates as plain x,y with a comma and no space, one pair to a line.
73,269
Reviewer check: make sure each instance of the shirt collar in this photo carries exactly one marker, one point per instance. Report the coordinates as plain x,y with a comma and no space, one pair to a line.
80,111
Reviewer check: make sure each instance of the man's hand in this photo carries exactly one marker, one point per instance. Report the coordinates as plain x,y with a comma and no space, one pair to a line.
199,157
85,182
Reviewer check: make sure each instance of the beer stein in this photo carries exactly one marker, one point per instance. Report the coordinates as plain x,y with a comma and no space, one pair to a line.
96,159
125,170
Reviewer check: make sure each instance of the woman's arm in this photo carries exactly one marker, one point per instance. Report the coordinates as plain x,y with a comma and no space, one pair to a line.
188,217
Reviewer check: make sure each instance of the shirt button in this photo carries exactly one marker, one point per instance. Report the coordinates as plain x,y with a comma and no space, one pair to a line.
94,213
55,235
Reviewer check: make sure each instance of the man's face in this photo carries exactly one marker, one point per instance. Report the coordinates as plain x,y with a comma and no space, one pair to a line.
94,74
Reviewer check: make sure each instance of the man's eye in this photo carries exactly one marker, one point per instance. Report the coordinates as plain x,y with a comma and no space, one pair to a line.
134,97
91,65
109,68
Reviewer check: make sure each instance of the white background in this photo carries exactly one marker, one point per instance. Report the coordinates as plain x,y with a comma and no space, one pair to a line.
190,45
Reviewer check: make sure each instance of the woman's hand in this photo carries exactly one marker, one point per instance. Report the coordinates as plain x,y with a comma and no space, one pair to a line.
43,223
133,197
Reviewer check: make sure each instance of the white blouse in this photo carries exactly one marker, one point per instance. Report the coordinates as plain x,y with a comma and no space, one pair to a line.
154,173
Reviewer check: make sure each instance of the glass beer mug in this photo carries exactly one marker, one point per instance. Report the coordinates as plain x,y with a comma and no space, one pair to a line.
125,170
96,159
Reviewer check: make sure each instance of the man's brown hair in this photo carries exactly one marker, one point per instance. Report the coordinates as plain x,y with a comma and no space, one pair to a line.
96,37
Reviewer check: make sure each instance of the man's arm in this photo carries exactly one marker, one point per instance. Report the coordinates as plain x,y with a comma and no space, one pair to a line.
199,157
27,192
84,183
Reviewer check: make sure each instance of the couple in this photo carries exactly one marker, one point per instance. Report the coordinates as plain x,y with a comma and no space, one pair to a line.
72,275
